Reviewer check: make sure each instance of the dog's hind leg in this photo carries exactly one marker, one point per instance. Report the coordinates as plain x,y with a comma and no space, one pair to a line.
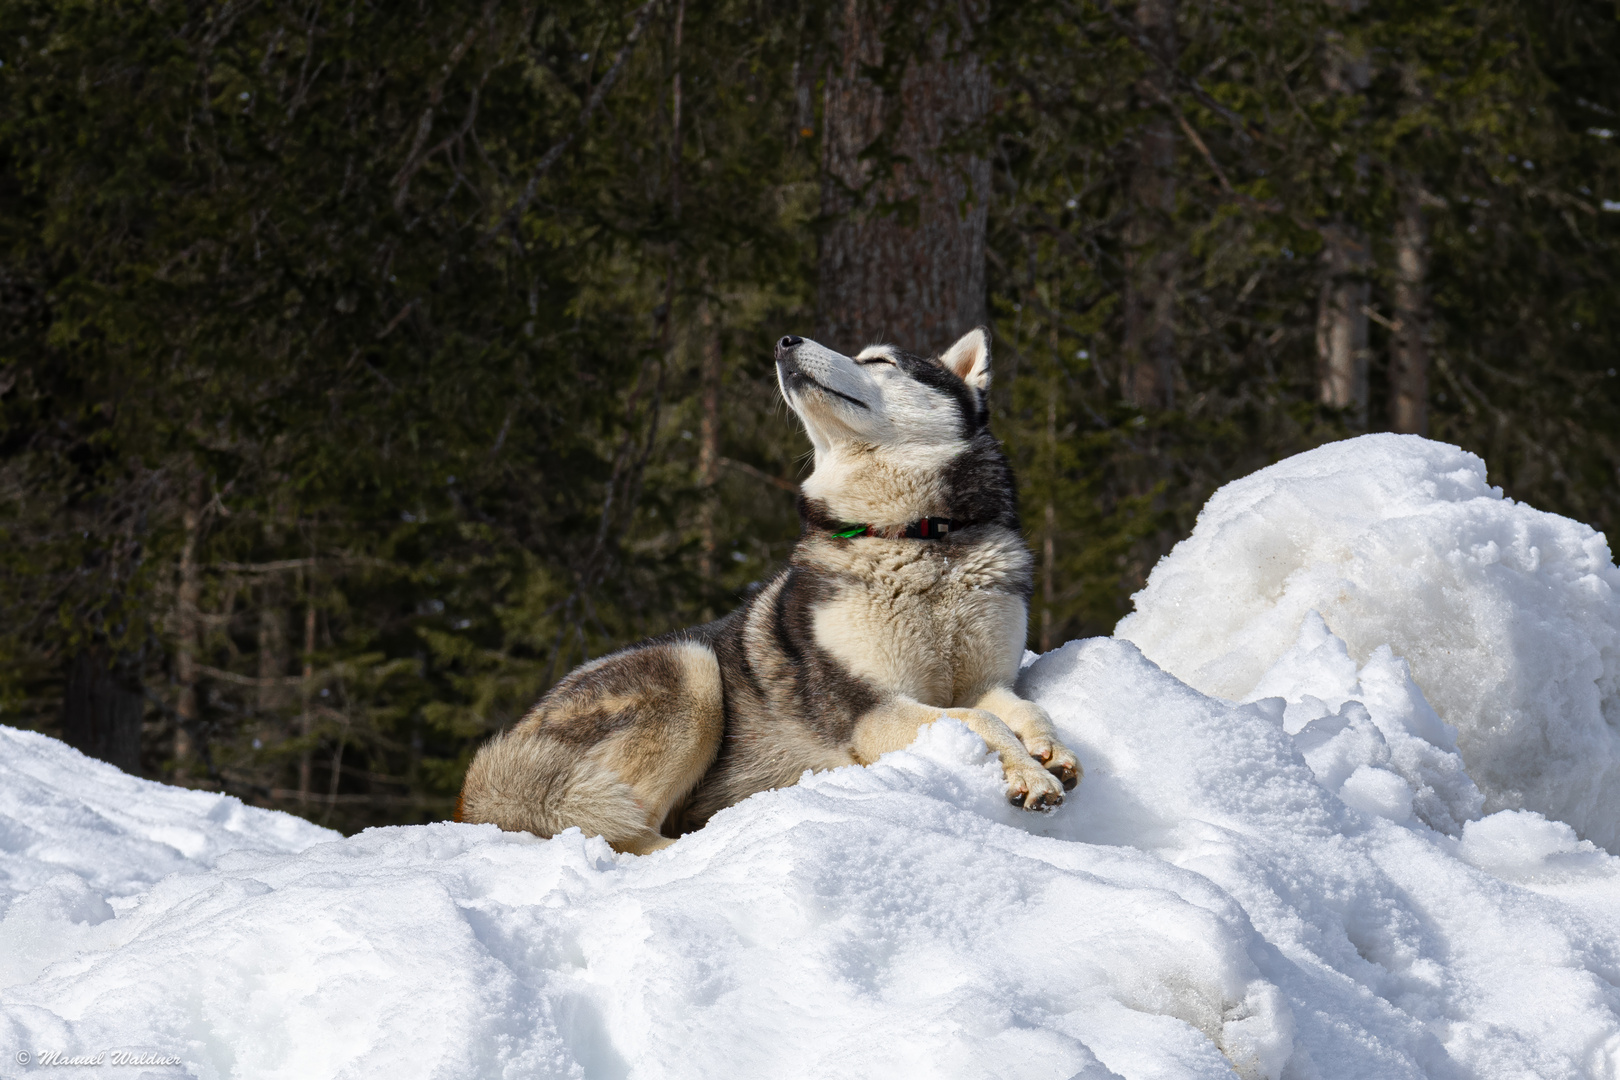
672,743
618,745
526,780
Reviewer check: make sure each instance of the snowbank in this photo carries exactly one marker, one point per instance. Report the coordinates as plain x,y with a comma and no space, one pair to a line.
1301,886
1508,617
1204,904
79,839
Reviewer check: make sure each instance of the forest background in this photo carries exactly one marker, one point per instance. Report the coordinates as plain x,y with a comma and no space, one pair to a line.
365,366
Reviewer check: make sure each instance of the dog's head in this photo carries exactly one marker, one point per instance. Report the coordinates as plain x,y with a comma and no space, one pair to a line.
898,437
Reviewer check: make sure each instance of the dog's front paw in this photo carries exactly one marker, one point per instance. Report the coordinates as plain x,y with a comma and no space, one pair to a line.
1034,788
1062,764
1059,760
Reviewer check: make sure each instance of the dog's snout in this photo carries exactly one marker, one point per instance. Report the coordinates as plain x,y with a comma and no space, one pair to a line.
788,342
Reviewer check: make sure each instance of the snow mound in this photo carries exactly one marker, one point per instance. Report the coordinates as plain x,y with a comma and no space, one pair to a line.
1508,617
1203,906
63,814
79,838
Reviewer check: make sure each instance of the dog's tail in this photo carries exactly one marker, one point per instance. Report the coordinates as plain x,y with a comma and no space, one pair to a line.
527,781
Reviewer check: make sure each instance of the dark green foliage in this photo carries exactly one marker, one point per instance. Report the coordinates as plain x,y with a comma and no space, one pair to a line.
1296,119
408,314
291,254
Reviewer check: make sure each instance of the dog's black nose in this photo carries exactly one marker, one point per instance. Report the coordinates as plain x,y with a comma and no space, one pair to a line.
788,342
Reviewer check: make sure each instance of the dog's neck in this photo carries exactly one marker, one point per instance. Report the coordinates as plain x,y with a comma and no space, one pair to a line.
891,494
881,486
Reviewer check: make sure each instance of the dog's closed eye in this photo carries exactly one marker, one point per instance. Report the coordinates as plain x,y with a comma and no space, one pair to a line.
875,354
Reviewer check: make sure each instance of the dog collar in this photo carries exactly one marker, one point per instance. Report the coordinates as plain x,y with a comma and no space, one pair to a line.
928,528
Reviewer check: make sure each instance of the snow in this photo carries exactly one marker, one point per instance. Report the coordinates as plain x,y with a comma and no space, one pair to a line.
81,840
1307,883
1508,616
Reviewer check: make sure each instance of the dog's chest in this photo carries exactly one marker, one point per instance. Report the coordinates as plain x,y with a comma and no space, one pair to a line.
940,625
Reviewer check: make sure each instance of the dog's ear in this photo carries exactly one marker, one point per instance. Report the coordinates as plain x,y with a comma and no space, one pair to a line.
969,358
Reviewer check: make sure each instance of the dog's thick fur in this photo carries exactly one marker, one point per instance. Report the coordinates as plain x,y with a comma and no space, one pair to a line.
838,659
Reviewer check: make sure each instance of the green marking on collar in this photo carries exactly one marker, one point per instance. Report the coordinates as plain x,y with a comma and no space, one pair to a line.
851,532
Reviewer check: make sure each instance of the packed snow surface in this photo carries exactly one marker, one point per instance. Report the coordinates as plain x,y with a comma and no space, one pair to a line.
1302,885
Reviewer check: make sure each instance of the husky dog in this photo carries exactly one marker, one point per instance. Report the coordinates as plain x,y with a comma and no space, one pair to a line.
905,600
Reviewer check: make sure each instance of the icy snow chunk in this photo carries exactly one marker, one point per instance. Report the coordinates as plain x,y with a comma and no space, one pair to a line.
1508,617
1319,663
1345,718
1523,846
1339,744
1378,791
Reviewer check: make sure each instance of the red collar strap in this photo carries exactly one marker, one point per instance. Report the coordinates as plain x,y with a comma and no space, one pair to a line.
929,528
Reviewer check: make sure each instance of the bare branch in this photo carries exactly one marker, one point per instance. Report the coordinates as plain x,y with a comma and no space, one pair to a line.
248,680
276,566
397,319
1387,324
760,474
272,567
415,158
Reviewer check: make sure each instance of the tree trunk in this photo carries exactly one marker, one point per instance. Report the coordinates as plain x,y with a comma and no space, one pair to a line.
1049,516
902,257
1341,324
709,374
1341,311
1048,572
1150,261
1409,350
103,706
188,625
306,690
272,692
